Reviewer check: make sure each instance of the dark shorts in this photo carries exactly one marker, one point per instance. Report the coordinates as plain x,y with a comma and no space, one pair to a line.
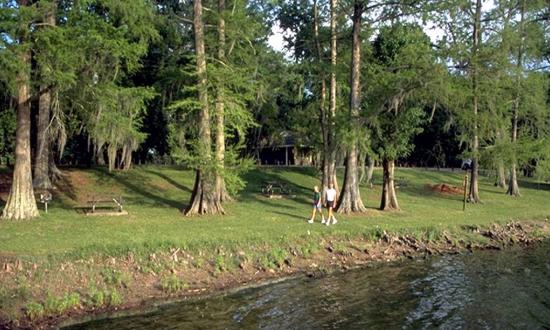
330,204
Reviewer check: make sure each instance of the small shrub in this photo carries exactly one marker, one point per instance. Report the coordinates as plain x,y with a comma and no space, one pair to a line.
34,310
97,298
57,305
341,248
278,256
432,234
219,264
199,263
115,277
102,298
4,297
265,262
275,258
114,298
72,300
308,248
23,291
374,234
54,305
172,284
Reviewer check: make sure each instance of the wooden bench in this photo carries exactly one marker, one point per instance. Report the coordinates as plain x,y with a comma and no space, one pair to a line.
111,202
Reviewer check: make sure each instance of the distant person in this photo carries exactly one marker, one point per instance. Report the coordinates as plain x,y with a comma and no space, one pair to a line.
331,201
317,205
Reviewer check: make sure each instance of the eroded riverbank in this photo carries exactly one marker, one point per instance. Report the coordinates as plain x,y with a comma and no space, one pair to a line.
486,289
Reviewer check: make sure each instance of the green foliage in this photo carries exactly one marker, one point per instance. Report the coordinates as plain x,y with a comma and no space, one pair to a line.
97,298
172,284
116,126
115,277
57,305
114,298
7,135
403,67
274,258
102,298
308,248
219,264
34,310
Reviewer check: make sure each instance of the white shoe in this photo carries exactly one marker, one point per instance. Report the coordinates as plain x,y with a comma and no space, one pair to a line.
310,221
323,221
328,223
334,221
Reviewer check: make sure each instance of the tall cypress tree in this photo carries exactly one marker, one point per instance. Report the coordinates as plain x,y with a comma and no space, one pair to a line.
203,198
21,203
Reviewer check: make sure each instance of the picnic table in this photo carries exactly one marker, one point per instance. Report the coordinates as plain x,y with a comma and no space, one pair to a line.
106,201
270,188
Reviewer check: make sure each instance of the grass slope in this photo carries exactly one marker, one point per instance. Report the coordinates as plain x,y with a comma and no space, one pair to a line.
155,195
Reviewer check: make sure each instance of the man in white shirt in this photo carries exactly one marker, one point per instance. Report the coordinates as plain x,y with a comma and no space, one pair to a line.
331,202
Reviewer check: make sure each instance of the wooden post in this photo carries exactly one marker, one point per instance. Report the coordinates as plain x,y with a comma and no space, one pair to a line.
465,191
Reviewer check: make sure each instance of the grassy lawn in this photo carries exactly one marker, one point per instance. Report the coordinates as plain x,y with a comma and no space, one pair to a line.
155,195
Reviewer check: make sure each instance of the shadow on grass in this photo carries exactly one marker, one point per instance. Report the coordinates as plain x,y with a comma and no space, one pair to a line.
65,186
294,216
138,185
257,177
533,185
169,180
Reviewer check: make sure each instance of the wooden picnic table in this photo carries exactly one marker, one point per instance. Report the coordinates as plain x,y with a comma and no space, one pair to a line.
106,201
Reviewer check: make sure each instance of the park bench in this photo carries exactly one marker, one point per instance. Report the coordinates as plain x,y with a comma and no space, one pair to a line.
274,188
106,201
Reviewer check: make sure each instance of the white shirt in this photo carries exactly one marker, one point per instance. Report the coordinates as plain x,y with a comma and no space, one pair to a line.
331,194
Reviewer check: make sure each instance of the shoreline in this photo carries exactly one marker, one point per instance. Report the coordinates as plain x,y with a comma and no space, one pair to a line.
103,287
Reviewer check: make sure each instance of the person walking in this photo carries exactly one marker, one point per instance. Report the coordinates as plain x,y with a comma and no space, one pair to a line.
317,205
331,202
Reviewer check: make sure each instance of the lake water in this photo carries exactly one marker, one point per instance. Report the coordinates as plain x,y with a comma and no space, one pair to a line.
484,290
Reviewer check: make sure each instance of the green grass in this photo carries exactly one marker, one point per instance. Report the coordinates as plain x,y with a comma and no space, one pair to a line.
155,196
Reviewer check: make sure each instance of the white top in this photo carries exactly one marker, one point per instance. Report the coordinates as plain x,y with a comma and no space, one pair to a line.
331,194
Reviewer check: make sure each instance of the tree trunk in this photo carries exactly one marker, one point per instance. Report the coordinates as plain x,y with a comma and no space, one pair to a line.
501,175
323,116
473,196
389,197
21,203
221,191
513,188
55,173
41,178
331,136
370,170
203,198
41,164
111,157
350,197
362,163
